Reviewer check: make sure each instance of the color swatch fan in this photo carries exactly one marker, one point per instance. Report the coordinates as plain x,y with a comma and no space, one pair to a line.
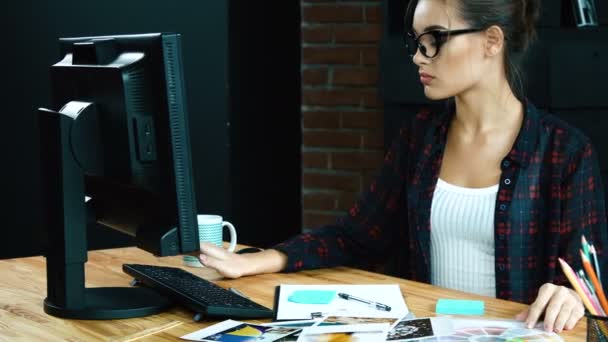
493,331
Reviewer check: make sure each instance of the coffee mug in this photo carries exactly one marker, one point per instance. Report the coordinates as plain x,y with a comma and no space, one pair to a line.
210,229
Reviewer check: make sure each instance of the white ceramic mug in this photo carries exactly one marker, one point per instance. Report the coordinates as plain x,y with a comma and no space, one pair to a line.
211,229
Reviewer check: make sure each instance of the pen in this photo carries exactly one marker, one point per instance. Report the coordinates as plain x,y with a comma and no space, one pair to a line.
377,305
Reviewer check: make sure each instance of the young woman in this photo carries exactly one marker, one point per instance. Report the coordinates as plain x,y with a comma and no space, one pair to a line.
483,197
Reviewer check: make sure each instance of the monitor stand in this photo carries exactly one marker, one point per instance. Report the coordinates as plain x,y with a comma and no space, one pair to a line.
61,133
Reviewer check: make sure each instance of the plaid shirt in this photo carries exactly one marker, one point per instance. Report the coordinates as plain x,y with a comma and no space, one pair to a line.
550,193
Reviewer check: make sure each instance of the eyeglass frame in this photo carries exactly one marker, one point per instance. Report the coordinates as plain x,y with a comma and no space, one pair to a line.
440,38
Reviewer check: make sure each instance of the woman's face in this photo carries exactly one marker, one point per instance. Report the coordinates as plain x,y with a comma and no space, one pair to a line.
460,64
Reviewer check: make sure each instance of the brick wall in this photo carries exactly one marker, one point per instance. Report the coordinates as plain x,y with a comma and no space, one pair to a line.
342,119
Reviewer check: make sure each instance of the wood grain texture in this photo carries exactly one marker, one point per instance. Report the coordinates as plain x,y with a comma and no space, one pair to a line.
23,288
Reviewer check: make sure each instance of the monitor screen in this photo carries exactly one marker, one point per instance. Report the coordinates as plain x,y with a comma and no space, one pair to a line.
136,158
117,134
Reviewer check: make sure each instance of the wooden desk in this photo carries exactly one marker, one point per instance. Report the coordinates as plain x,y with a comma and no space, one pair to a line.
23,288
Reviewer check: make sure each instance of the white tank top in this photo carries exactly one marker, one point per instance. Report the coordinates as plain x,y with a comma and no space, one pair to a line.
462,238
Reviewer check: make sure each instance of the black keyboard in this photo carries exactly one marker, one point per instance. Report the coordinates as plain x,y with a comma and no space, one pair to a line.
200,295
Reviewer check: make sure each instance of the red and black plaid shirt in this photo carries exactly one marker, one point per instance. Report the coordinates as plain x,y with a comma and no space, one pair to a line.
550,194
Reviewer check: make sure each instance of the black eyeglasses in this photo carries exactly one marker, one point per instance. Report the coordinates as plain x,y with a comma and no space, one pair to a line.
430,42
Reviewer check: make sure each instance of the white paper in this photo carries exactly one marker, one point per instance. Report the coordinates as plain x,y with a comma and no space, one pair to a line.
386,294
357,332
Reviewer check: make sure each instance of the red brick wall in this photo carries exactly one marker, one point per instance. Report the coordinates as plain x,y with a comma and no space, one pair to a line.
342,119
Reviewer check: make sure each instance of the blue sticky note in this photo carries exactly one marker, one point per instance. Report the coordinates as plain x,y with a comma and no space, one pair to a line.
459,307
312,297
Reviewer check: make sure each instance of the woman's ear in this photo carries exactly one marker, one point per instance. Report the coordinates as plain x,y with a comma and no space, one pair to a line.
494,40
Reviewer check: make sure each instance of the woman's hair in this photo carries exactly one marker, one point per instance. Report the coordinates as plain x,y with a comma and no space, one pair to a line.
516,18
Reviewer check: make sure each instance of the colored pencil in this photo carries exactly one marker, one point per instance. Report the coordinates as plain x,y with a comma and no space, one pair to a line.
597,264
585,246
583,277
575,284
591,274
569,272
592,298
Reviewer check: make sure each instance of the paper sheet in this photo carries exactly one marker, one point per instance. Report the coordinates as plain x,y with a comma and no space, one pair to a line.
356,332
386,294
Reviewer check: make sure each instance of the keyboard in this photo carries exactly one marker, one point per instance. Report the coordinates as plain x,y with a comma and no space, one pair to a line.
201,296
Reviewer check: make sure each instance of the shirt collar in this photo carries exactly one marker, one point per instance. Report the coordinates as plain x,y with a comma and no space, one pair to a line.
525,143
441,123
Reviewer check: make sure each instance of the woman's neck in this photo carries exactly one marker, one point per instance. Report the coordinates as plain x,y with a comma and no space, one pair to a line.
482,109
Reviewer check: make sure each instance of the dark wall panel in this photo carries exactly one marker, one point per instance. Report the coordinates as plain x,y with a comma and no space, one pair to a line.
36,25
31,47
265,124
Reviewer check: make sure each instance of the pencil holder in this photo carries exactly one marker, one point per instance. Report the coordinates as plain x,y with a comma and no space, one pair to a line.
597,328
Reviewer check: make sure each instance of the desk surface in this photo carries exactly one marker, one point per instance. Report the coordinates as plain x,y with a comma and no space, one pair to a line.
23,288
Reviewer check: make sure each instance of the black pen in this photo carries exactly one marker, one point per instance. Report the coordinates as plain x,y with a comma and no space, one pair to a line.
377,305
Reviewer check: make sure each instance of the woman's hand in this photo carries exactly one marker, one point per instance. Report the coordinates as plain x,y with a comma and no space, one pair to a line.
562,306
233,265
228,264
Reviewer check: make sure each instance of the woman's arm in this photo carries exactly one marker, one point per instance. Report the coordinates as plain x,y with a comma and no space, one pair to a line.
368,231
234,265
364,234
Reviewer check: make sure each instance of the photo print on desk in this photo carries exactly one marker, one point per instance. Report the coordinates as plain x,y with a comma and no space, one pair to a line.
293,324
407,330
345,333
344,320
235,331
420,328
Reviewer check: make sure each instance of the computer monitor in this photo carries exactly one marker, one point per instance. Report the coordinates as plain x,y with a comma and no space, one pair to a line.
117,133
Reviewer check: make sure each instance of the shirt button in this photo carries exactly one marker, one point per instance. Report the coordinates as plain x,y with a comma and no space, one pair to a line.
506,163
507,181
501,267
502,207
